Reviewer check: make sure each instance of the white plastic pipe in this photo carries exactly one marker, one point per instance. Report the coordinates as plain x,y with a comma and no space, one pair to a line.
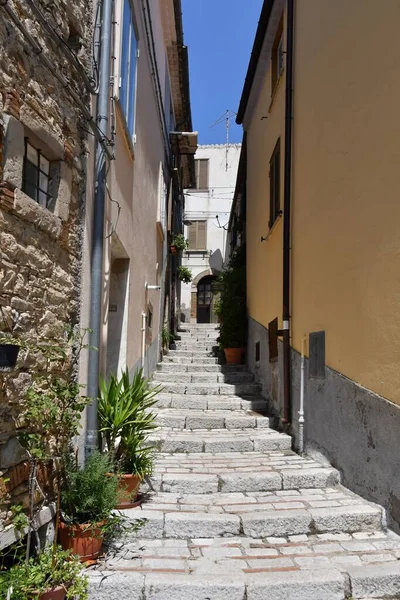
301,411
144,318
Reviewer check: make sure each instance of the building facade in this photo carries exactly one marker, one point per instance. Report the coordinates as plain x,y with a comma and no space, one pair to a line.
149,167
46,79
321,229
207,209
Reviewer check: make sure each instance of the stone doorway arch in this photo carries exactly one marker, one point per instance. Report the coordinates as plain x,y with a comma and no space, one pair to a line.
202,297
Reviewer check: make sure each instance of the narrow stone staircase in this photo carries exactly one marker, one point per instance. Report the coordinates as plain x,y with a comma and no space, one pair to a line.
233,513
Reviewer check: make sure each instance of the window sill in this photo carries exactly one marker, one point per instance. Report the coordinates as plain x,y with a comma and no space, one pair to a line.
275,90
127,136
274,226
29,210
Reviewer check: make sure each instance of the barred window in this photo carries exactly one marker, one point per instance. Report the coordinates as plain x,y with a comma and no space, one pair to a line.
36,176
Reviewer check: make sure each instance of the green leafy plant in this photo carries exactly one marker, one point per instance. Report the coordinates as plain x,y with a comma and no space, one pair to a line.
126,420
51,413
44,572
232,303
180,242
166,338
89,493
184,274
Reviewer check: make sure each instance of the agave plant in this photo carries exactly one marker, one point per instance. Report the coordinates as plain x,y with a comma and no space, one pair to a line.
126,420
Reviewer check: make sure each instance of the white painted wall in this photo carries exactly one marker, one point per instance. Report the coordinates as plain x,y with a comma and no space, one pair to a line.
208,205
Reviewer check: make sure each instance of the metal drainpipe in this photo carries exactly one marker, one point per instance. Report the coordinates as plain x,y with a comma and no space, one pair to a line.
287,406
96,288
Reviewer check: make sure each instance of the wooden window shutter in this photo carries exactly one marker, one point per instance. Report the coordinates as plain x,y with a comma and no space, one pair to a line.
197,235
203,174
201,235
192,235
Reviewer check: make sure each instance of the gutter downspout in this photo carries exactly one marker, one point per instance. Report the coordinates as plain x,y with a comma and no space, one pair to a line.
96,286
287,406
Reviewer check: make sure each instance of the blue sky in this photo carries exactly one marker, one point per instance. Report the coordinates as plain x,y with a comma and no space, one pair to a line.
220,35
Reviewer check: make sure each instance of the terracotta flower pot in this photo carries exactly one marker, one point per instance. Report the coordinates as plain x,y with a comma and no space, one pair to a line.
85,540
173,249
234,355
128,489
57,593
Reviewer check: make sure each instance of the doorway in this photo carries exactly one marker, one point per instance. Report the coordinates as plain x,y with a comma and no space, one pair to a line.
205,314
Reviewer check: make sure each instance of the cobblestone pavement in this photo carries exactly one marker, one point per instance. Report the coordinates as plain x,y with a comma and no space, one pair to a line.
232,513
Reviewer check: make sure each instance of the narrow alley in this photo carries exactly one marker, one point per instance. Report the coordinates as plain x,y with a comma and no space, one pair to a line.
232,512
199,300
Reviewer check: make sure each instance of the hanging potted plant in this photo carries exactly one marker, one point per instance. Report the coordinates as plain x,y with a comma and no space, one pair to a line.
125,421
178,244
232,308
184,274
50,575
9,344
88,496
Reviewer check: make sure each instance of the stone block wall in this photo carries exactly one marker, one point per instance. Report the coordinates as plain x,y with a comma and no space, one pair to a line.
40,248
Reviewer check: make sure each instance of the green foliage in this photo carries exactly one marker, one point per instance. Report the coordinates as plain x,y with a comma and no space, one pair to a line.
89,494
232,304
180,242
44,572
52,410
126,420
184,274
166,337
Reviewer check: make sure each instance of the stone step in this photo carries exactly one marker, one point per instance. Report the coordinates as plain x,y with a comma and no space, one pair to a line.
189,359
211,402
201,337
192,354
256,514
307,567
207,389
196,347
187,377
199,326
209,419
171,367
205,473
219,440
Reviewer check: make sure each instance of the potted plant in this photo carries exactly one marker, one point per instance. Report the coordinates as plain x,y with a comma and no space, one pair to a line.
88,496
166,338
125,421
178,244
47,576
184,274
232,307
9,345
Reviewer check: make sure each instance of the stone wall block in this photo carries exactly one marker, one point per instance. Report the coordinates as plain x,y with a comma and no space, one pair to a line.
12,104
14,149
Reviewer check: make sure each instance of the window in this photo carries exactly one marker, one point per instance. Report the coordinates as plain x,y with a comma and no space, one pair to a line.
36,175
197,235
274,184
201,167
129,54
277,57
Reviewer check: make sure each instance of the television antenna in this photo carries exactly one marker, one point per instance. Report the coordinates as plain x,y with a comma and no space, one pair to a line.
226,116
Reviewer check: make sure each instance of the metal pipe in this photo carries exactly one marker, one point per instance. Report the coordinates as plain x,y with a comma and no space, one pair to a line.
301,410
58,75
287,405
97,257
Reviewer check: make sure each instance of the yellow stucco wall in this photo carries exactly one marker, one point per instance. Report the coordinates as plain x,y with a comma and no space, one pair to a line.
346,208
346,191
264,259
